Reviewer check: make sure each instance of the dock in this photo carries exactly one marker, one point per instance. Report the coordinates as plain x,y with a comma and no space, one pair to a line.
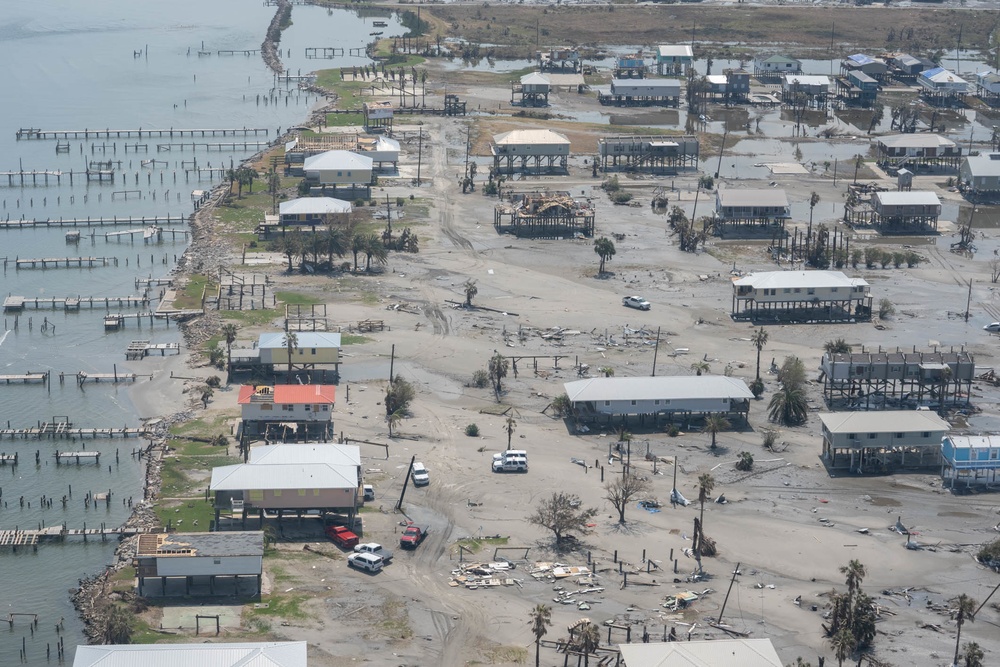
25,378
210,146
8,458
77,455
32,538
15,304
139,349
63,262
95,222
27,133
115,378
152,233
146,283
65,430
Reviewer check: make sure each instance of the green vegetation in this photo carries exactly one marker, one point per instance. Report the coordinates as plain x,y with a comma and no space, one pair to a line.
353,339
297,298
342,119
285,606
201,427
253,318
472,430
192,515
477,545
190,296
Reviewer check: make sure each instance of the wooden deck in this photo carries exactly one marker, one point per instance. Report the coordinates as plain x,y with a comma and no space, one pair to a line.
77,456
25,378
95,222
55,262
17,303
31,538
66,431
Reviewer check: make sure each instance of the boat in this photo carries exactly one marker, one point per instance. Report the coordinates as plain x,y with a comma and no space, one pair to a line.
375,34
380,24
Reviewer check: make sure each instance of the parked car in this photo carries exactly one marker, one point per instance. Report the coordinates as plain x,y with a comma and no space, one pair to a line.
369,492
365,561
512,460
412,537
342,537
992,327
420,475
636,302
374,548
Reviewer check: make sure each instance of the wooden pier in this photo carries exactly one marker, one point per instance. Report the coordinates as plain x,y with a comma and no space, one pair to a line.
35,133
16,304
64,430
63,262
324,52
219,146
26,378
23,177
8,458
18,538
77,456
238,52
139,349
148,233
95,222
114,378
146,283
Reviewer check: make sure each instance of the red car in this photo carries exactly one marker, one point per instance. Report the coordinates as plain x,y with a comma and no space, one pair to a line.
342,537
412,537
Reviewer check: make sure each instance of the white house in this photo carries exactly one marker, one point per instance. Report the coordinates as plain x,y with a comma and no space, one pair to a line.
878,441
381,149
201,654
979,175
310,348
643,92
733,204
188,556
801,296
715,653
674,58
313,211
914,210
942,82
339,168
308,406
973,459
810,84
683,395
530,150
776,65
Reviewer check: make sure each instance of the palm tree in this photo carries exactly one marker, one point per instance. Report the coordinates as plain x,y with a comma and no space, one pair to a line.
375,249
973,655
966,610
394,419
855,573
714,423
232,177
357,246
843,645
590,639
759,340
509,427
541,619
706,483
700,367
229,333
606,371
291,343
813,200
470,292
273,187
334,242
788,406
605,249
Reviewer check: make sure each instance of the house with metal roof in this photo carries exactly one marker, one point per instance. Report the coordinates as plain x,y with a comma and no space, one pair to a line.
642,93
972,459
801,296
657,154
340,169
979,176
805,90
668,396
201,654
313,211
531,91
776,65
883,379
882,441
906,67
289,478
674,59
185,561
750,211
859,62
630,66
564,60
308,349
915,211
378,115
988,87
917,150
530,151
287,411
857,88
942,87
715,653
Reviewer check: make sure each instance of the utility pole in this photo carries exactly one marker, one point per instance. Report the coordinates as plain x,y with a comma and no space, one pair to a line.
968,302
656,350
673,493
468,142
406,481
392,361
722,149
420,151
731,582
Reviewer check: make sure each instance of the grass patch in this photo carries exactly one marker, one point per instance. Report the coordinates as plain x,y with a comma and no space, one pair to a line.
297,298
369,299
246,213
475,546
353,339
189,516
201,427
253,318
284,606
190,296
343,119
395,622
507,655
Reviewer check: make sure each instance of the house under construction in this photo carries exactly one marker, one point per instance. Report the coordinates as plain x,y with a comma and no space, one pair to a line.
544,215
888,380
656,154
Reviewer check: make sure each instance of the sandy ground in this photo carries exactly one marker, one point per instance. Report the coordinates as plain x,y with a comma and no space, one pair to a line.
408,614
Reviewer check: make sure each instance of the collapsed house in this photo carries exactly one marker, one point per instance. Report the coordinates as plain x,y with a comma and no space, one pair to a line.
544,215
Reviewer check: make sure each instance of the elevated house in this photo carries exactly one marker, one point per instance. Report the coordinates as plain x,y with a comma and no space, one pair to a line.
544,215
988,88
857,89
655,154
904,68
751,211
289,479
942,87
805,90
917,151
340,170
384,151
715,653
632,66
864,442
882,379
774,67
913,212
716,86
674,59
313,212
287,411
801,296
859,62
532,90
679,396
970,459
200,654
643,93
530,151
194,559
313,352
381,149
378,115
979,177
562,60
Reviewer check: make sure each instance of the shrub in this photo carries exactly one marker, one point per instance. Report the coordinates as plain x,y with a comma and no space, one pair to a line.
472,431
886,309
400,201
769,436
856,257
912,259
673,430
898,259
359,202
398,396
611,185
872,257
989,554
490,189
620,197
561,406
706,182
757,387
217,357
480,379
214,381
838,346
745,462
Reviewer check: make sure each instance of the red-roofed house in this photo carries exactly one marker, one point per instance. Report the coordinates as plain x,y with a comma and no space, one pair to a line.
288,411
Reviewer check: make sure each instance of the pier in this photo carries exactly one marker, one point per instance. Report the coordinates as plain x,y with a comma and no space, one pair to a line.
64,430
16,304
146,283
77,455
35,133
220,146
26,378
148,233
238,52
62,262
139,349
95,222
325,52
31,538
115,377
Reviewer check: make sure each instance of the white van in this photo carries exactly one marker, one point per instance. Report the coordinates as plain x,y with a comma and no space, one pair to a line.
365,561
420,475
512,460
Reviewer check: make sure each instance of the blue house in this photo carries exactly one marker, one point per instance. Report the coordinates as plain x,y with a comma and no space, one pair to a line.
973,459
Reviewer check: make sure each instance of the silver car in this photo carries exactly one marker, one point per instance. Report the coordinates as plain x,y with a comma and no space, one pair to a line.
635,302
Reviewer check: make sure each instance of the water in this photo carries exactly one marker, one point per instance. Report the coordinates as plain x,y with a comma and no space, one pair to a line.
97,65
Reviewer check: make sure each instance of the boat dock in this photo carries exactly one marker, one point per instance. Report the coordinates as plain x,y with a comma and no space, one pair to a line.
35,133
148,233
146,283
25,378
31,538
62,262
115,377
8,458
65,431
77,455
139,349
15,304
208,146
95,222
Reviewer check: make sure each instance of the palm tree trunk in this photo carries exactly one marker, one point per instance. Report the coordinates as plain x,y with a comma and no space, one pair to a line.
758,363
958,638
538,649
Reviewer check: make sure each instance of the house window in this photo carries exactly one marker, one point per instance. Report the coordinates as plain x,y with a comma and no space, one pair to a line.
256,494
798,290
788,291
301,352
811,290
633,402
288,408
277,493
897,435
993,454
852,436
656,402
217,561
266,407
308,408
302,492
607,403
925,434
315,492
833,289
326,408
340,173
872,436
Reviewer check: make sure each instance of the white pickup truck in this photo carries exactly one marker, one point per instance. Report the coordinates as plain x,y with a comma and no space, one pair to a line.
375,549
